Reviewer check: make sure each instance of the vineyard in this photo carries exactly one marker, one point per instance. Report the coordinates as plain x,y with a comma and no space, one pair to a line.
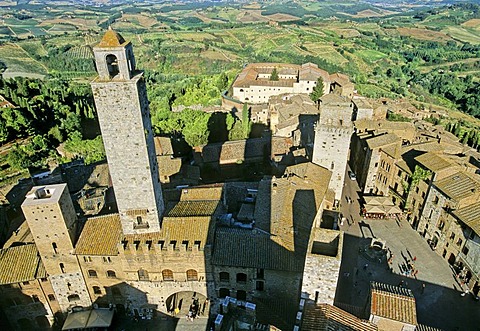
80,52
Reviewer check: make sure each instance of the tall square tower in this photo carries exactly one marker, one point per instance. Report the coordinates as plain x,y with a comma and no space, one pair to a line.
52,219
122,106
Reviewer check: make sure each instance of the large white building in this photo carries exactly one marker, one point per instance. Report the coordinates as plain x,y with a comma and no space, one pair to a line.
254,84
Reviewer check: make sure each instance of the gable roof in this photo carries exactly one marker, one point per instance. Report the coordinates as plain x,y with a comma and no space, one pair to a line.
433,162
100,236
20,264
393,302
325,317
470,215
458,186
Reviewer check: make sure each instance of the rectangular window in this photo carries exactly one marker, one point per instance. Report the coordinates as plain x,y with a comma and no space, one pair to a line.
459,241
260,285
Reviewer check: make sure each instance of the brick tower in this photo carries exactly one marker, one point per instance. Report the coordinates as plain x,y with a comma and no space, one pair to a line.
122,106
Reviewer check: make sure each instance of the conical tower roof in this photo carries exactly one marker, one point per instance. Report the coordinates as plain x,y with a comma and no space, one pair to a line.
111,39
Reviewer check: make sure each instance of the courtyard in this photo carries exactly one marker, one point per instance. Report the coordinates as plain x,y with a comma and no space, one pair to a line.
437,291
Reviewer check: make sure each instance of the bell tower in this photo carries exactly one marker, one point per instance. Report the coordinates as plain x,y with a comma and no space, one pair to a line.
122,106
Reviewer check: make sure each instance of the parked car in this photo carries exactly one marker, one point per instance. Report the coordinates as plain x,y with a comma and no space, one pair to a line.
352,175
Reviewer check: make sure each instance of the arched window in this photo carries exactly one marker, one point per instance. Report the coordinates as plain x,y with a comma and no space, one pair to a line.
92,273
112,65
73,298
224,276
167,275
97,290
111,274
192,275
54,246
62,268
142,274
51,297
241,278
223,292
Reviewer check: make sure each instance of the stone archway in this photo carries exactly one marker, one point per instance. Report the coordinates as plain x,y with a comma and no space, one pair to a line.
180,303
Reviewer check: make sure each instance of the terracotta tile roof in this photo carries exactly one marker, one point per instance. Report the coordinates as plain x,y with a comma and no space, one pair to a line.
383,125
382,140
185,221
20,264
362,103
284,212
193,208
470,215
100,236
306,72
310,71
393,302
191,229
242,247
421,327
111,39
249,150
325,317
168,166
202,193
433,162
340,79
458,186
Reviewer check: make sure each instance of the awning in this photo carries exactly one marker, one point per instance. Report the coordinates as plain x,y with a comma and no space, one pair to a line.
378,201
374,209
96,318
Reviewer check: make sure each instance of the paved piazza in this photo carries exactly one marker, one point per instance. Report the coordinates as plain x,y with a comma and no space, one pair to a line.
439,301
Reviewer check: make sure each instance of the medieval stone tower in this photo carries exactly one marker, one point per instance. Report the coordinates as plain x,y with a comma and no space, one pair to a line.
51,218
122,105
332,138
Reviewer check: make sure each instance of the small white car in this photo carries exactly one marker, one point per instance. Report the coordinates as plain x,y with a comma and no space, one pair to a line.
352,175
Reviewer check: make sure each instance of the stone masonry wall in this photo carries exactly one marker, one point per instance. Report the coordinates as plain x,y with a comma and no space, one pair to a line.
331,151
124,118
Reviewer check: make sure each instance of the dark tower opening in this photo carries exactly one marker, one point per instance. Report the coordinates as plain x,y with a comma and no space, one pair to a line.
112,65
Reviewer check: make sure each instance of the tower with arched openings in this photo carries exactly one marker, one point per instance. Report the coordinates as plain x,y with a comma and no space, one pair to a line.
122,106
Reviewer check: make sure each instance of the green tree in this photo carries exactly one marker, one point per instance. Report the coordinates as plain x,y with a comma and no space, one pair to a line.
317,92
196,133
3,131
229,121
236,133
274,74
246,126
18,158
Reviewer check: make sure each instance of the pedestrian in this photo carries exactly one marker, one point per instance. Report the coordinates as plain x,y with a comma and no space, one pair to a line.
414,258
365,266
423,288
